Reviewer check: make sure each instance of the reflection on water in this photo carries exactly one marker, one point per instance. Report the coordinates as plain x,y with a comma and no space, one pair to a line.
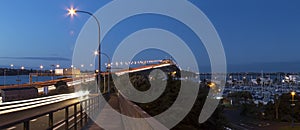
8,80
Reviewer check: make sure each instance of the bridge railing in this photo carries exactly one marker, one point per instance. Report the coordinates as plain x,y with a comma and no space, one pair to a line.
74,120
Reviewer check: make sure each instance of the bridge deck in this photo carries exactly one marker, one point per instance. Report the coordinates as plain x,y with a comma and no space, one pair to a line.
117,125
116,122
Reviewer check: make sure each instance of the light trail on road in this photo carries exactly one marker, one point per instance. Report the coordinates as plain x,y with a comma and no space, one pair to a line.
29,104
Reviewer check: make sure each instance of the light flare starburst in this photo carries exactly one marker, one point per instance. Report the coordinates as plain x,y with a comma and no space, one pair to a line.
71,11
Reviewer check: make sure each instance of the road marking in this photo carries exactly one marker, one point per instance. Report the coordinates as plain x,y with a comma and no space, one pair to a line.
35,102
30,100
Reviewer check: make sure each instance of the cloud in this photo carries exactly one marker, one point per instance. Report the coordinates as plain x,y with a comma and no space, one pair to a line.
38,58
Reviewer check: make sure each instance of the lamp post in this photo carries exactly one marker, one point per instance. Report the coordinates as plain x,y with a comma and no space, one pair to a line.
82,72
108,67
52,69
11,69
19,80
108,78
73,12
4,73
293,93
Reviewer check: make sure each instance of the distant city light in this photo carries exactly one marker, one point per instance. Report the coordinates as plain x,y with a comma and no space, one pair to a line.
212,85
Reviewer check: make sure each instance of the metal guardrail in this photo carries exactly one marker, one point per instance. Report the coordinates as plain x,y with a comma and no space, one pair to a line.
78,119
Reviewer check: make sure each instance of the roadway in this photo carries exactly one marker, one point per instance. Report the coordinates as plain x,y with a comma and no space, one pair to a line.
21,110
86,77
49,82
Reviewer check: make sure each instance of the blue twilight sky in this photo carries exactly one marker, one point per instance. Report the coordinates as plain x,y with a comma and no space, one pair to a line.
257,35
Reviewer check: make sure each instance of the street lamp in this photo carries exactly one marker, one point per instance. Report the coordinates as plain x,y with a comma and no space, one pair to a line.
72,11
19,80
51,71
108,68
4,73
293,93
41,67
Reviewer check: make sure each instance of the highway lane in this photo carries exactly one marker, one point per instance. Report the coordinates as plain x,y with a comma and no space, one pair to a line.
142,68
22,115
13,112
38,109
38,102
75,80
71,83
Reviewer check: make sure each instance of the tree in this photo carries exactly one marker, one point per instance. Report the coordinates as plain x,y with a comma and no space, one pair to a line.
243,95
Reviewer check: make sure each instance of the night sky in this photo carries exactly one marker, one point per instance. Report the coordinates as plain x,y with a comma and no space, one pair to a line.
257,35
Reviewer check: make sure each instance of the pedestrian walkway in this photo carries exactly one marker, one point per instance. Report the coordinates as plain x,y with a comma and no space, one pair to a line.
117,122
135,118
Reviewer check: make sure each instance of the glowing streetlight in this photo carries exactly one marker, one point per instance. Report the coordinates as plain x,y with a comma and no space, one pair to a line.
108,68
72,11
41,67
22,68
57,66
108,65
293,93
96,53
18,79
